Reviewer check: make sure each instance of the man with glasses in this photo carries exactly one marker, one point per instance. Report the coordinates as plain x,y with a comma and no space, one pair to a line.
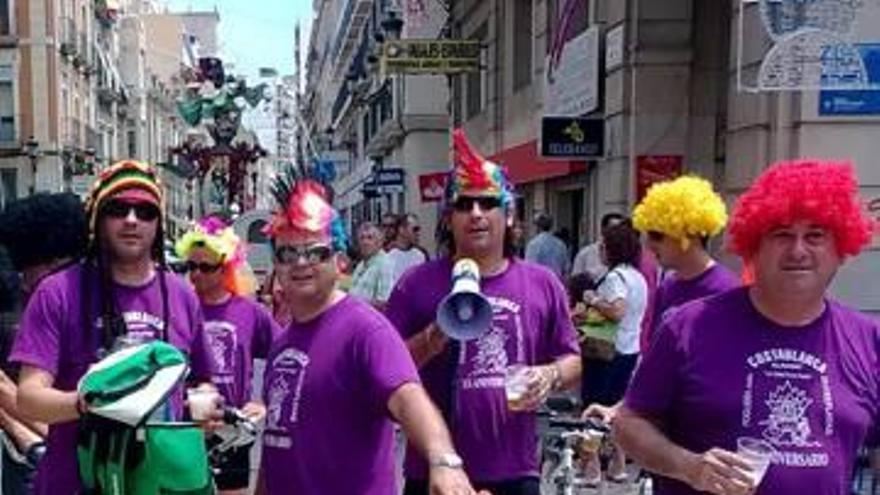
389,230
771,388
237,328
680,217
530,327
339,375
77,315
372,279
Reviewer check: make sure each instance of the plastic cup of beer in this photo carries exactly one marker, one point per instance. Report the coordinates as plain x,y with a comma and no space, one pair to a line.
516,384
591,442
202,402
758,454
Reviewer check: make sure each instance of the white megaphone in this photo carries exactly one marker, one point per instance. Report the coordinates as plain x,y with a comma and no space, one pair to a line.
464,314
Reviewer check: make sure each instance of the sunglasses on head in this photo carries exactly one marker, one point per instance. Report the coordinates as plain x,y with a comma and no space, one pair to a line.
192,266
465,204
313,254
145,212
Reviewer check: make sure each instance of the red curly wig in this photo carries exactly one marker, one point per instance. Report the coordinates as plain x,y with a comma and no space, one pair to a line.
824,192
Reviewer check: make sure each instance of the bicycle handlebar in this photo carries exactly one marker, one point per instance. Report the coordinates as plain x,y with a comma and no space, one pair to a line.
580,424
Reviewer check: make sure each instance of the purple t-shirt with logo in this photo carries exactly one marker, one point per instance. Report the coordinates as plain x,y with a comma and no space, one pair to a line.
719,370
674,291
326,389
238,330
51,338
530,325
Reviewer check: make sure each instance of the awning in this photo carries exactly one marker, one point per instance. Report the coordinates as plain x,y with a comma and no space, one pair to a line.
524,165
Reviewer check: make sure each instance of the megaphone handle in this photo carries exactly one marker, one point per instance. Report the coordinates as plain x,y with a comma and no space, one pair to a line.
454,357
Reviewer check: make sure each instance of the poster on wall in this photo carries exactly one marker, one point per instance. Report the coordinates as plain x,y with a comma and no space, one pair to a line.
813,45
571,84
432,187
651,169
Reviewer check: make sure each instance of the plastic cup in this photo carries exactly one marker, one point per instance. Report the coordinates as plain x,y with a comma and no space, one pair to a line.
592,441
758,453
202,402
516,384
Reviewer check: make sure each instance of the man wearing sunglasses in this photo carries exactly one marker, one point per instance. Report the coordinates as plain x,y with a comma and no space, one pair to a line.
120,292
339,375
531,326
238,329
679,218
772,388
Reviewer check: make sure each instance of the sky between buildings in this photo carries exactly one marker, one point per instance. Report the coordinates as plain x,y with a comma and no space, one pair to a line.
256,33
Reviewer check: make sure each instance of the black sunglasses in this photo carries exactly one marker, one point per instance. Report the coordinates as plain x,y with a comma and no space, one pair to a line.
655,236
466,204
144,212
192,266
313,254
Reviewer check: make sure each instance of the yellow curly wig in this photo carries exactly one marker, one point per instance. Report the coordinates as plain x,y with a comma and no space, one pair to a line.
681,208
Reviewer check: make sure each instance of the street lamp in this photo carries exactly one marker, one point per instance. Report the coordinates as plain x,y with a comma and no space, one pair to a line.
32,150
392,25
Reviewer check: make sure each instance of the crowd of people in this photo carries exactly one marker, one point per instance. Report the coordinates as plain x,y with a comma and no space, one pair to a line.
681,355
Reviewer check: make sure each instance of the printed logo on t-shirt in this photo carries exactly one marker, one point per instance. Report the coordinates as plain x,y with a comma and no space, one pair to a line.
788,402
483,361
222,340
284,381
142,326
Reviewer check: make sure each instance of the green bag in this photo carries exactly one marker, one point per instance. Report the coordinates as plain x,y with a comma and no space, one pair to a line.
120,450
597,338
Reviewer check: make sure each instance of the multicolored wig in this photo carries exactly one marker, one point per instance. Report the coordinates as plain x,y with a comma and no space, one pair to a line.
682,208
304,207
213,234
473,175
819,191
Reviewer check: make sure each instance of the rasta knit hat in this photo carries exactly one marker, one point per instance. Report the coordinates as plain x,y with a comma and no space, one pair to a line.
138,180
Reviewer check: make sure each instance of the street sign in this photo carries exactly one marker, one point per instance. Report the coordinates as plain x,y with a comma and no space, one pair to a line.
389,176
430,56
572,137
432,187
370,190
861,101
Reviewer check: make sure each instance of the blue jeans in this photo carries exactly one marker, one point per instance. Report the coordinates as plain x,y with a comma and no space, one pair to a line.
17,477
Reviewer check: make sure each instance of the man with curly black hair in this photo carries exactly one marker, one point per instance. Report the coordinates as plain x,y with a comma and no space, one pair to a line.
40,235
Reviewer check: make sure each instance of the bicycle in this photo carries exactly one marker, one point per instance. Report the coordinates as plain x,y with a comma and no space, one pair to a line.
566,437
237,431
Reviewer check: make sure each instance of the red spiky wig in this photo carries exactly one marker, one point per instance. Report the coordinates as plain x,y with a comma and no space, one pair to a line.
824,192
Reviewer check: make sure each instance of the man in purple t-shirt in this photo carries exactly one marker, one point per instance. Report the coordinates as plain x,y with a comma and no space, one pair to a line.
237,328
339,374
530,326
78,313
679,217
770,389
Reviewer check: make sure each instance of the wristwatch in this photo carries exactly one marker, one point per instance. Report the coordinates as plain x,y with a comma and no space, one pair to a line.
449,460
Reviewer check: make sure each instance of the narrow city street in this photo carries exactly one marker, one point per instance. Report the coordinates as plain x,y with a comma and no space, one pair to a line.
255,246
